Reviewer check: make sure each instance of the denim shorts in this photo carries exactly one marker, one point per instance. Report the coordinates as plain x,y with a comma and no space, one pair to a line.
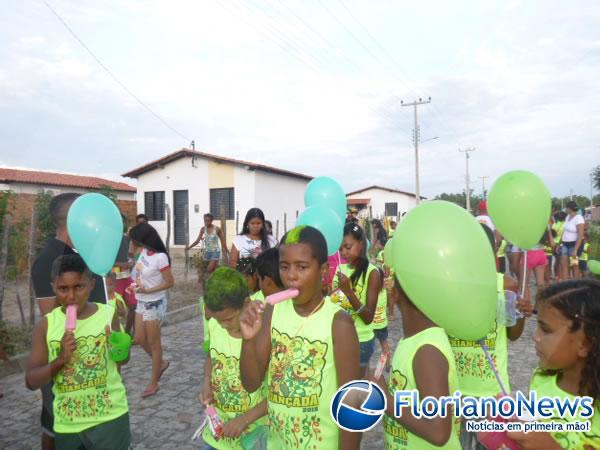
381,334
366,351
212,256
155,310
567,248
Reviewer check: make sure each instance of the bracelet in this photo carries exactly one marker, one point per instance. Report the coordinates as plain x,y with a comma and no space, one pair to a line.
359,310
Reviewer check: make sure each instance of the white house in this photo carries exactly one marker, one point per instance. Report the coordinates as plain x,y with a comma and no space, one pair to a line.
193,183
383,202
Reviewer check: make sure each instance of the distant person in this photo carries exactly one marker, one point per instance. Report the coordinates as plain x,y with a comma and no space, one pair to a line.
572,242
269,227
379,235
483,216
153,278
56,246
393,226
212,235
141,218
254,238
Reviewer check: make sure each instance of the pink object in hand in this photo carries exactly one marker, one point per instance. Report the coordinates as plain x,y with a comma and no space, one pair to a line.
71,318
496,440
279,297
214,422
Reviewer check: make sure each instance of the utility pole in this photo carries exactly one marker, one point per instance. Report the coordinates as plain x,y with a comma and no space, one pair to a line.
416,137
468,191
483,186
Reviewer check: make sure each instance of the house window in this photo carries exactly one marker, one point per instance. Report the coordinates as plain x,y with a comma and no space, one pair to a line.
221,202
391,209
154,203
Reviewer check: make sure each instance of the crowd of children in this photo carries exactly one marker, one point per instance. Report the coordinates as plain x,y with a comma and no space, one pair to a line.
271,371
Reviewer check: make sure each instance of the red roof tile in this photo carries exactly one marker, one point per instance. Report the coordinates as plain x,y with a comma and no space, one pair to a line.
60,179
187,152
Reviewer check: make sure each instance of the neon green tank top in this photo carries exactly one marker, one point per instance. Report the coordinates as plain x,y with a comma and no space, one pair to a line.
112,302
559,227
364,331
584,254
474,373
89,390
502,249
546,385
302,379
258,295
402,378
230,398
380,319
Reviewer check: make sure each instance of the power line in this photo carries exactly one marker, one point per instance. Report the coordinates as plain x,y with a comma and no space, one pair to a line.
113,76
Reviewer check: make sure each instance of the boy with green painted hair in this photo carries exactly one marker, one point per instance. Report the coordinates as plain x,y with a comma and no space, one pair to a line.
226,293
90,401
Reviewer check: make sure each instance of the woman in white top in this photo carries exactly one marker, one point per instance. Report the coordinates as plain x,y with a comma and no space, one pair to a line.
572,241
253,239
153,277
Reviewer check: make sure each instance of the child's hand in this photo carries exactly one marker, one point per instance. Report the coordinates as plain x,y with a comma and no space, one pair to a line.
206,396
533,441
388,282
67,346
251,319
235,427
121,311
344,284
525,307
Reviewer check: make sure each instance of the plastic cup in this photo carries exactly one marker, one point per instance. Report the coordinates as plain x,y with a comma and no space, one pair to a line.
119,346
507,313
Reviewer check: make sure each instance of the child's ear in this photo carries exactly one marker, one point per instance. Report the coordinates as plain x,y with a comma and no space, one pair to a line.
324,270
585,347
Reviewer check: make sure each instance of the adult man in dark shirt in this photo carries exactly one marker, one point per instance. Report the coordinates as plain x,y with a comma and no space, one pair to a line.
56,246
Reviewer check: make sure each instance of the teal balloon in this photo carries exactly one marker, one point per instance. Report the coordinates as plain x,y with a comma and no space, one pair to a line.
327,222
95,227
519,204
446,266
325,191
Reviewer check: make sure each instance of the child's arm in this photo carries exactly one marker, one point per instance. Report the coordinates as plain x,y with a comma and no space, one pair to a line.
235,427
524,305
346,354
373,288
206,396
430,369
39,371
255,324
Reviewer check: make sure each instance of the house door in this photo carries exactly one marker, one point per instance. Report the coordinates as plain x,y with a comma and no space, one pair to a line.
181,219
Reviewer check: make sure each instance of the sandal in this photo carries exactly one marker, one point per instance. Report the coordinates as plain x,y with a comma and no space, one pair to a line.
163,371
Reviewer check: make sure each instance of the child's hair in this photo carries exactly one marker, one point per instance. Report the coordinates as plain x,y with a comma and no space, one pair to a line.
578,301
381,233
310,236
225,288
490,235
69,263
209,216
256,213
267,265
560,216
269,226
59,207
246,266
360,271
146,235
141,216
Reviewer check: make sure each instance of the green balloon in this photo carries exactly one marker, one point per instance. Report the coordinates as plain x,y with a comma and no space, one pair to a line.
519,204
95,227
594,266
446,266
388,256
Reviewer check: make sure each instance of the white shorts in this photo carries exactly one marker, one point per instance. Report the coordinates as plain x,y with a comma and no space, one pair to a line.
154,310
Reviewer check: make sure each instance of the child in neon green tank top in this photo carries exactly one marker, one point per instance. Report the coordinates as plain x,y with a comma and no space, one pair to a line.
78,362
242,412
306,348
423,361
567,341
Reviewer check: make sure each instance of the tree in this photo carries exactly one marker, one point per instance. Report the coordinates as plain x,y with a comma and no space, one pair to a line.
460,199
109,192
596,176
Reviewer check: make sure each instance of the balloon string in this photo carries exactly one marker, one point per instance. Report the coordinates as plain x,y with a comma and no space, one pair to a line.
339,259
524,275
105,289
485,349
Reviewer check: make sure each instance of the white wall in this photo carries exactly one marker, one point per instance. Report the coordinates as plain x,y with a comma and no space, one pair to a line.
380,197
178,175
277,195
30,188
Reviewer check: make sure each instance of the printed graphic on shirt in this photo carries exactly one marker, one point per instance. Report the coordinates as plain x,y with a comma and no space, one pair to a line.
87,369
228,392
296,371
393,430
470,358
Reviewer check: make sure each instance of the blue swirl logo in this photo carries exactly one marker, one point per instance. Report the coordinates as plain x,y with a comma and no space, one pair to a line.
371,411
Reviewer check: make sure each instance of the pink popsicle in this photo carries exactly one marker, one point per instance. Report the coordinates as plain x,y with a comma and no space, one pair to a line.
279,297
71,317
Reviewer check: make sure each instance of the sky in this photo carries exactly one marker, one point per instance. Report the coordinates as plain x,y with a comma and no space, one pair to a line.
313,86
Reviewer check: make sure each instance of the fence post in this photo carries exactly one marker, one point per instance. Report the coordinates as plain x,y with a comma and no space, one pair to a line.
32,229
277,230
224,231
237,222
168,214
284,223
187,243
6,223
